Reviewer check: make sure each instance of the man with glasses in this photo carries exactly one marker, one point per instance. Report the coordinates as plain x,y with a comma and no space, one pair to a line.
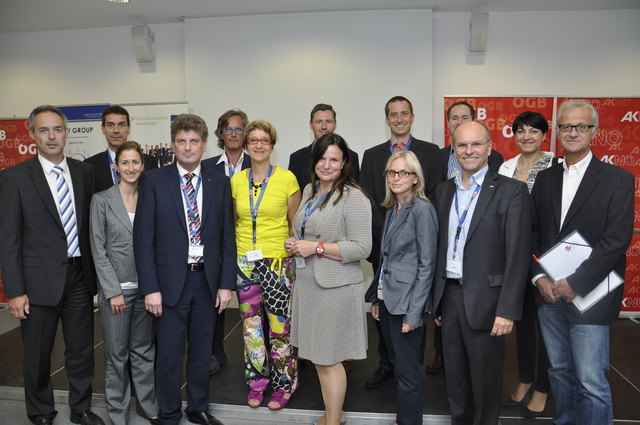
483,259
596,199
323,121
116,126
399,117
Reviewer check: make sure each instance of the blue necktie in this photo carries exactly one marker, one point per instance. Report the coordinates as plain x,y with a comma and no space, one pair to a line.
66,212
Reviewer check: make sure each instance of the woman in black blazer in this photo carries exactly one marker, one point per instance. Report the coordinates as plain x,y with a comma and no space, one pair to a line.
400,291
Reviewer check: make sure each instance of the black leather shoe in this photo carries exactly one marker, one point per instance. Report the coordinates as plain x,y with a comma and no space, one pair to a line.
86,418
530,414
378,378
436,366
216,364
202,418
154,421
44,421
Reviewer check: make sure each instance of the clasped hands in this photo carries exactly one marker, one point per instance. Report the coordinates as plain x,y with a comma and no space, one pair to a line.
552,292
300,247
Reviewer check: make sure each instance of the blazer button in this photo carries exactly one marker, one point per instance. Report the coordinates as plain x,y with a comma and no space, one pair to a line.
317,236
385,254
385,271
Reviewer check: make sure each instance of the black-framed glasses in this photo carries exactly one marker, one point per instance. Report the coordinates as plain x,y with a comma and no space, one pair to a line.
393,173
230,130
580,128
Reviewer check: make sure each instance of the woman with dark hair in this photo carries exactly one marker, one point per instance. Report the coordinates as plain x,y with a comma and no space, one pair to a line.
333,234
126,324
265,198
530,130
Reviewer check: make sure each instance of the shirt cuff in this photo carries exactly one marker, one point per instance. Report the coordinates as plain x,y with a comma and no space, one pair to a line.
536,277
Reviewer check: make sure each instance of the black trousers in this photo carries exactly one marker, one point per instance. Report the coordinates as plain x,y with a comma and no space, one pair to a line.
38,335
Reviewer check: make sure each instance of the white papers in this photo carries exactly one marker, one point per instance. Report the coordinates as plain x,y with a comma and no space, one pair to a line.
565,257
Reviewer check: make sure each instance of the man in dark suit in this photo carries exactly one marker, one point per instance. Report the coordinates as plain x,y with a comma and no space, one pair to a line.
46,264
483,260
596,199
115,127
399,117
322,121
230,133
185,251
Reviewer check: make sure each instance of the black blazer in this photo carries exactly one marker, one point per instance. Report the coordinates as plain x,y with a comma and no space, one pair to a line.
102,172
212,163
33,245
603,212
496,251
300,164
373,181
495,160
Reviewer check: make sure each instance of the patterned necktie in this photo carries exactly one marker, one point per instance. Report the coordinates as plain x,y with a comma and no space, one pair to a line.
192,213
66,212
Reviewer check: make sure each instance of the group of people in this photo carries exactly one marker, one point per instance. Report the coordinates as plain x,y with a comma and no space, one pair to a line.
162,154
450,231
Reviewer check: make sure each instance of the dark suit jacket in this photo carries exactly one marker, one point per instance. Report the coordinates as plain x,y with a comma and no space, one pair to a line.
33,245
300,164
496,251
102,170
373,181
212,163
495,160
161,238
603,212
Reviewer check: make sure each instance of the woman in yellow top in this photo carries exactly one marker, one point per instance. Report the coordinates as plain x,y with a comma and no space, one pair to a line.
266,198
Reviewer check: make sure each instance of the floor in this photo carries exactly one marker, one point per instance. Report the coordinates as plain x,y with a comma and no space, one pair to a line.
362,406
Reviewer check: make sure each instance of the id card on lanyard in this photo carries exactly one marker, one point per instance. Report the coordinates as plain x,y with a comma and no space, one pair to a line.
256,254
453,264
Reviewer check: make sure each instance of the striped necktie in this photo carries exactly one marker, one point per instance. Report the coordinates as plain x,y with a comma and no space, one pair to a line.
192,213
66,212
453,166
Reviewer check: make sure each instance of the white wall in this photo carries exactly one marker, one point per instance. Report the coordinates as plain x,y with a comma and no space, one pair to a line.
278,67
572,53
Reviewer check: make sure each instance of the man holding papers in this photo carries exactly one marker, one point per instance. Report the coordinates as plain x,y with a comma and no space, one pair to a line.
596,199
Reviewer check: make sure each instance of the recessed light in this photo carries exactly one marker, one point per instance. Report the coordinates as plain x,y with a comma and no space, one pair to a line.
119,1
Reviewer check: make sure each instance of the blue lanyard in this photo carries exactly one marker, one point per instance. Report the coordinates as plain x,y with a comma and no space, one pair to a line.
310,208
114,172
254,210
394,213
191,206
408,145
463,217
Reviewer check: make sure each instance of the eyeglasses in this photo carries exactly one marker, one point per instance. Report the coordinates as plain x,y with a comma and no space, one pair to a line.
229,130
474,145
580,128
254,141
393,173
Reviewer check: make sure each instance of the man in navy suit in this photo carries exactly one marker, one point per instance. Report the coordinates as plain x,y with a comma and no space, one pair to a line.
596,199
185,251
116,126
230,132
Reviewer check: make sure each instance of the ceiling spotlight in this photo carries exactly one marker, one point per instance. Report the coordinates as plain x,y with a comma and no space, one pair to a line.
119,1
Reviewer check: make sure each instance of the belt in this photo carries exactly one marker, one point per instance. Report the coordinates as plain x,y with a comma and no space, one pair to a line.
195,267
455,281
73,260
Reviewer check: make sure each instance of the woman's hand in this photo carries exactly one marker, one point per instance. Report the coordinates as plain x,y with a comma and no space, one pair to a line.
118,306
375,311
300,248
406,328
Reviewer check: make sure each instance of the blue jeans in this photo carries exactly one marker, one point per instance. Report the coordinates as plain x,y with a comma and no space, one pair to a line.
579,357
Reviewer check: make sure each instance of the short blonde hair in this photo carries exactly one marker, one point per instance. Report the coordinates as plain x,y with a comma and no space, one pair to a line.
417,191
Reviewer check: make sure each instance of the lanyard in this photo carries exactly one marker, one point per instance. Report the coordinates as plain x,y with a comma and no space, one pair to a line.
394,213
462,218
114,172
310,208
254,210
191,206
407,148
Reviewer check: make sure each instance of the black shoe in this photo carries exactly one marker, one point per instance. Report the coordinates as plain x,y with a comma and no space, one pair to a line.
202,418
378,378
43,421
216,364
530,414
86,418
436,366
154,421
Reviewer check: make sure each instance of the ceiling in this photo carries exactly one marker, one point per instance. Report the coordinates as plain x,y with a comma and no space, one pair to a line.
42,15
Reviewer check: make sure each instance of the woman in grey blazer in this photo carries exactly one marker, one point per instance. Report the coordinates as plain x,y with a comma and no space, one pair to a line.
333,234
400,290
127,326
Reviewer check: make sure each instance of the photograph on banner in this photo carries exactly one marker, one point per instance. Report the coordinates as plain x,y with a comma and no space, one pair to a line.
616,142
498,114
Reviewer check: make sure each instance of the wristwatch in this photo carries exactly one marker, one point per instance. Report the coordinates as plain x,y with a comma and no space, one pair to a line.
320,249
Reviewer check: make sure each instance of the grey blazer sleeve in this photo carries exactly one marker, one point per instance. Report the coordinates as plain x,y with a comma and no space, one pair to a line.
357,221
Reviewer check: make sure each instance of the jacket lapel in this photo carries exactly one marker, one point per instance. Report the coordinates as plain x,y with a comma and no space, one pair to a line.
401,217
207,194
589,182
117,206
486,193
42,186
78,191
444,208
557,177
173,182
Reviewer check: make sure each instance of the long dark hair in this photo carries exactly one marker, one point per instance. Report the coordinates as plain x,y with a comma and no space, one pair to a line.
346,177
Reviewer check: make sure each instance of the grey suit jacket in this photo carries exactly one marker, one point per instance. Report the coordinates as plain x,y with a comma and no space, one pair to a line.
112,242
410,249
349,225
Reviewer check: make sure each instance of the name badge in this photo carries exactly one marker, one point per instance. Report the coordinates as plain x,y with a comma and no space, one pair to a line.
300,263
196,250
254,255
454,266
